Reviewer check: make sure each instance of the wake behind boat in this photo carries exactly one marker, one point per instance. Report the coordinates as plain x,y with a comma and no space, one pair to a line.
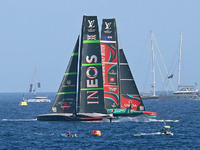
81,93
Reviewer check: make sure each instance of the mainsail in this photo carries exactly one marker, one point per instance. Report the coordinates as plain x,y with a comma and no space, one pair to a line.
91,80
109,51
65,101
130,96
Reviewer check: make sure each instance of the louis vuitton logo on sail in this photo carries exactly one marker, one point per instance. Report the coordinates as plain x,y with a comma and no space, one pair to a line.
108,27
92,81
91,26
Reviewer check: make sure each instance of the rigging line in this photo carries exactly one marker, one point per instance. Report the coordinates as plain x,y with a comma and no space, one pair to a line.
161,74
141,51
163,62
175,56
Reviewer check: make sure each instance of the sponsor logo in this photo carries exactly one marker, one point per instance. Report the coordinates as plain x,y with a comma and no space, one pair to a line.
92,82
112,79
128,105
91,23
68,81
91,37
141,107
108,27
112,89
91,26
91,69
112,72
113,105
65,106
54,109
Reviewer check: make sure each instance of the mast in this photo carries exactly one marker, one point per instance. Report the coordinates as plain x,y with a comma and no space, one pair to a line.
179,65
79,63
153,67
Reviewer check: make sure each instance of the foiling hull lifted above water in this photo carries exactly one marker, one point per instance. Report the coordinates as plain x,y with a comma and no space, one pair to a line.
105,84
73,117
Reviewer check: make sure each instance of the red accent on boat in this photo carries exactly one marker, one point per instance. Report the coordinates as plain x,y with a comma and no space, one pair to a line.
150,113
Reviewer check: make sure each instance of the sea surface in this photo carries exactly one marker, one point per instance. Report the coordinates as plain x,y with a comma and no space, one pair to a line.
19,128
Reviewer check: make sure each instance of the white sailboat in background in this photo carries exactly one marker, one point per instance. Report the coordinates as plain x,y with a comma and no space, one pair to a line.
34,86
184,92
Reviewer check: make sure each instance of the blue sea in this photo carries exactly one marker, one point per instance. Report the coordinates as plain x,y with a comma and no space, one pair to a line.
19,128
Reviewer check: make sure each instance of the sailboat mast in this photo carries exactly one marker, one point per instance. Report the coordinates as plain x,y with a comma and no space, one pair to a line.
118,63
153,67
79,64
179,66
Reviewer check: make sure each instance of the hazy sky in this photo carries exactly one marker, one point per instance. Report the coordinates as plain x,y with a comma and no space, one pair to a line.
43,33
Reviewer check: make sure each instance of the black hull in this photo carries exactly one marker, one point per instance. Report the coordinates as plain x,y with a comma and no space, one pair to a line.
64,117
128,115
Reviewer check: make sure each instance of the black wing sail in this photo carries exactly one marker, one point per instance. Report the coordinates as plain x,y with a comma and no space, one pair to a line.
91,83
129,91
65,101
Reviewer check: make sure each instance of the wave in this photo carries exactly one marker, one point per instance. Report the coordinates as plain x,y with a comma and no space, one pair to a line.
156,120
142,134
19,120
141,119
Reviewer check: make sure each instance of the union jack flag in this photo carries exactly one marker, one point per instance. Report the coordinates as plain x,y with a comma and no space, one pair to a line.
91,37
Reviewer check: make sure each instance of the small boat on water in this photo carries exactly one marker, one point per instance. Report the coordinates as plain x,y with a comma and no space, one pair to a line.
23,104
167,131
38,98
185,93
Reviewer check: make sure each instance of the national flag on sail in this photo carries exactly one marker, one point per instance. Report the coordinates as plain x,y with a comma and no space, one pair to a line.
31,86
91,37
171,76
39,85
108,38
